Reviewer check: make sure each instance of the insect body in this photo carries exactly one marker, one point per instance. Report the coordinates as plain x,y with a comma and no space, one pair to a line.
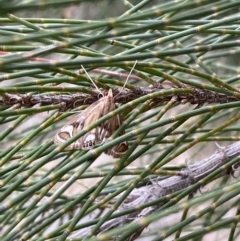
98,135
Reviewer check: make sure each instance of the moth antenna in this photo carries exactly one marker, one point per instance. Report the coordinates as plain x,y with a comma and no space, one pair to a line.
91,80
127,79
129,75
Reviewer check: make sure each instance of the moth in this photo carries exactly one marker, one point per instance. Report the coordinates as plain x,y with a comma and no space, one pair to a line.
98,135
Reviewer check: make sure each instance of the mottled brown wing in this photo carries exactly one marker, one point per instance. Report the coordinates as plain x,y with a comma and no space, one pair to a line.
119,150
81,121
97,135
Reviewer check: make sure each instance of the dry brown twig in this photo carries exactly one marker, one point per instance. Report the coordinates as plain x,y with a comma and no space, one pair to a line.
158,189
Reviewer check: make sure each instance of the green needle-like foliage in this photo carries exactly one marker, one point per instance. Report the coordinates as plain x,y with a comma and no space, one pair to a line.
181,97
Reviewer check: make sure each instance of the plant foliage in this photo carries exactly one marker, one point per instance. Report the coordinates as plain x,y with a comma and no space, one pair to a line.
180,99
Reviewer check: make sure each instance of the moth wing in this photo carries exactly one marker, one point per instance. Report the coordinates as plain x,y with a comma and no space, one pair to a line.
119,150
88,116
99,134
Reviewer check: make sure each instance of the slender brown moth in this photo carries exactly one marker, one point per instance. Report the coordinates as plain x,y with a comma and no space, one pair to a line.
98,135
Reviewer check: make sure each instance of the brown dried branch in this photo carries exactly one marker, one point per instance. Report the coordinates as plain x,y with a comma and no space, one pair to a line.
139,196
198,97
